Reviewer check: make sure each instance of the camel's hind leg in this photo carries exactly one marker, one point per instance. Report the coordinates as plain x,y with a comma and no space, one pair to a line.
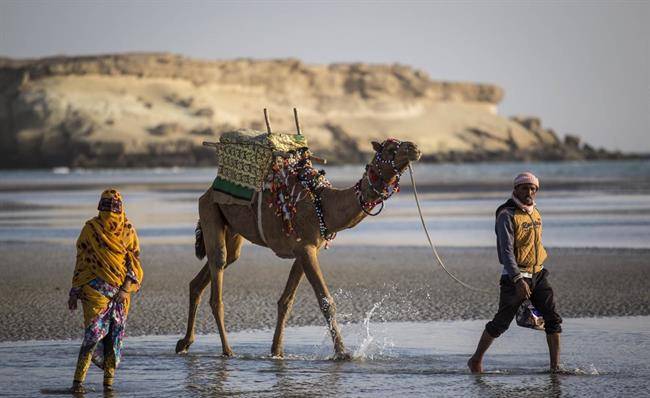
284,306
215,235
198,285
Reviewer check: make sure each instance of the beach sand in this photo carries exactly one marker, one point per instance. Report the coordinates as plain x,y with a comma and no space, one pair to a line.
409,287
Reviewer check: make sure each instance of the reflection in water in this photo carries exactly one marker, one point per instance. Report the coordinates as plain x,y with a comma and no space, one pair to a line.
110,394
290,380
207,375
490,385
216,376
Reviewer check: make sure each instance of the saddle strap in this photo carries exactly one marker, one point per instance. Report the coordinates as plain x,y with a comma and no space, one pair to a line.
259,214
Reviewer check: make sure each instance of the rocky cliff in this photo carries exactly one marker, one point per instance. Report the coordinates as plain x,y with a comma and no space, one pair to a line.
156,109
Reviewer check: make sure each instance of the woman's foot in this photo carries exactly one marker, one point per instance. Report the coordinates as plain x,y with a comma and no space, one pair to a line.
77,388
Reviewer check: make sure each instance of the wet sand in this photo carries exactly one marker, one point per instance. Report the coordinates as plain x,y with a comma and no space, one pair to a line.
588,283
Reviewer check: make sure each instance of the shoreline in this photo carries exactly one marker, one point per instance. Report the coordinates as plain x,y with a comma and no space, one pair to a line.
290,329
409,287
454,178
468,188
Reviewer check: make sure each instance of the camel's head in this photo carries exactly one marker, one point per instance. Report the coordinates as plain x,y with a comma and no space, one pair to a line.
381,178
393,156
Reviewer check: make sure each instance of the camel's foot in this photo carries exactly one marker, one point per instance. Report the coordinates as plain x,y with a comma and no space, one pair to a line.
228,353
342,356
475,365
560,370
277,351
183,345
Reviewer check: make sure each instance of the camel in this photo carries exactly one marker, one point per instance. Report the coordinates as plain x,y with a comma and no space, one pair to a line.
224,227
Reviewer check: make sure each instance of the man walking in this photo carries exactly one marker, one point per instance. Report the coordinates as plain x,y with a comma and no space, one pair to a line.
519,245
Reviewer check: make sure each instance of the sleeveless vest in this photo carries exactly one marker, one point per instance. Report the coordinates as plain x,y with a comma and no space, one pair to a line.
528,249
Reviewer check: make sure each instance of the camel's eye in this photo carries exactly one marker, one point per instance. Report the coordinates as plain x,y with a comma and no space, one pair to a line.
391,151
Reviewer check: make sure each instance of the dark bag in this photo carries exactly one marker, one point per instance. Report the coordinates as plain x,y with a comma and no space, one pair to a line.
529,317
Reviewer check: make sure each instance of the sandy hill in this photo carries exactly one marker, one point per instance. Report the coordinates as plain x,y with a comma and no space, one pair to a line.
156,109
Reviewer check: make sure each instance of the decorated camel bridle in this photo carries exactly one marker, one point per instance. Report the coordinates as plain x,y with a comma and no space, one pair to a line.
298,165
373,174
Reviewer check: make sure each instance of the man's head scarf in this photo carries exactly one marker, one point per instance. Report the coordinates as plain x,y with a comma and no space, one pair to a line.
526,178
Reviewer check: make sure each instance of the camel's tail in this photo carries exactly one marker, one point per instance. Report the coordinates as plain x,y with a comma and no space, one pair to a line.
199,245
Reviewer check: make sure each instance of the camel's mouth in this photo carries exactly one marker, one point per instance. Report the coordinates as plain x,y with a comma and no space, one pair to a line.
412,153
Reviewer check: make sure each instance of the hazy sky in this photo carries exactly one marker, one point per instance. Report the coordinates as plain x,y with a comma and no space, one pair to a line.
583,67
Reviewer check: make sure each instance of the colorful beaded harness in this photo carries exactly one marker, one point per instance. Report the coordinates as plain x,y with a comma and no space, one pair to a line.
387,189
291,179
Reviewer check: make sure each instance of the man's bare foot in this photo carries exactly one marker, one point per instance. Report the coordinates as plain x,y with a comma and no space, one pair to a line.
475,365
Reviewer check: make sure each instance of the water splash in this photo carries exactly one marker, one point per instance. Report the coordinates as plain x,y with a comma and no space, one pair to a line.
589,370
365,347
375,343
372,340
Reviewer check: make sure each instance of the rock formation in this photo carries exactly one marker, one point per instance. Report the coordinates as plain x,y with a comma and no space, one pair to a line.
156,109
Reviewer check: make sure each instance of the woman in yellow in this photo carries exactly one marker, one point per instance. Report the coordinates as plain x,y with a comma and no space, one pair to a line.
107,271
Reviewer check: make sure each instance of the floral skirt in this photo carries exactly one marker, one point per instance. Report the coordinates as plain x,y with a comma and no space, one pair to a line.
104,319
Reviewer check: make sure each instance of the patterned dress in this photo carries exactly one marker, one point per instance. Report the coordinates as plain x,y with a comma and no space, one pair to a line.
109,323
107,256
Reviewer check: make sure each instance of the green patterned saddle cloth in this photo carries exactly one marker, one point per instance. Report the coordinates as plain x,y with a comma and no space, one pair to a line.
244,158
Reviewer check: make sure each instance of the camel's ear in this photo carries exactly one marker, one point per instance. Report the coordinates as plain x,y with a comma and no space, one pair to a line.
376,146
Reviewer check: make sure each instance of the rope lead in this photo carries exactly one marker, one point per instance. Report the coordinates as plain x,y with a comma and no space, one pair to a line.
433,248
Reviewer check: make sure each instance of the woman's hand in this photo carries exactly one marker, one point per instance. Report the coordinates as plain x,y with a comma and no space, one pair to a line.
72,303
121,296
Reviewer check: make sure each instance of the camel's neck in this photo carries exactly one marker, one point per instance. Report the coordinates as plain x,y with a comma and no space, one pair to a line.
341,209
341,206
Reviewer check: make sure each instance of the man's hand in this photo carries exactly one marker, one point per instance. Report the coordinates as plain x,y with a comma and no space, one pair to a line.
121,296
72,303
522,288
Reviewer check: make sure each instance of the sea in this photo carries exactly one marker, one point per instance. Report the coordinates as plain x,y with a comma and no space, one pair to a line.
583,204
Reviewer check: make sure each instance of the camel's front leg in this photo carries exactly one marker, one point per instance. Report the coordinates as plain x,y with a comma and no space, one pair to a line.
284,307
197,286
308,257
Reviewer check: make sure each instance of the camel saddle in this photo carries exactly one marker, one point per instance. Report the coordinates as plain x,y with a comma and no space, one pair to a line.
244,158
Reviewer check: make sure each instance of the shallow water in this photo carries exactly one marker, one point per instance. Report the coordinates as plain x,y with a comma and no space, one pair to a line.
602,357
615,212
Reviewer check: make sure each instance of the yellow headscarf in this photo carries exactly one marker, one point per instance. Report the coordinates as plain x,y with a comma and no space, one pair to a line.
108,246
